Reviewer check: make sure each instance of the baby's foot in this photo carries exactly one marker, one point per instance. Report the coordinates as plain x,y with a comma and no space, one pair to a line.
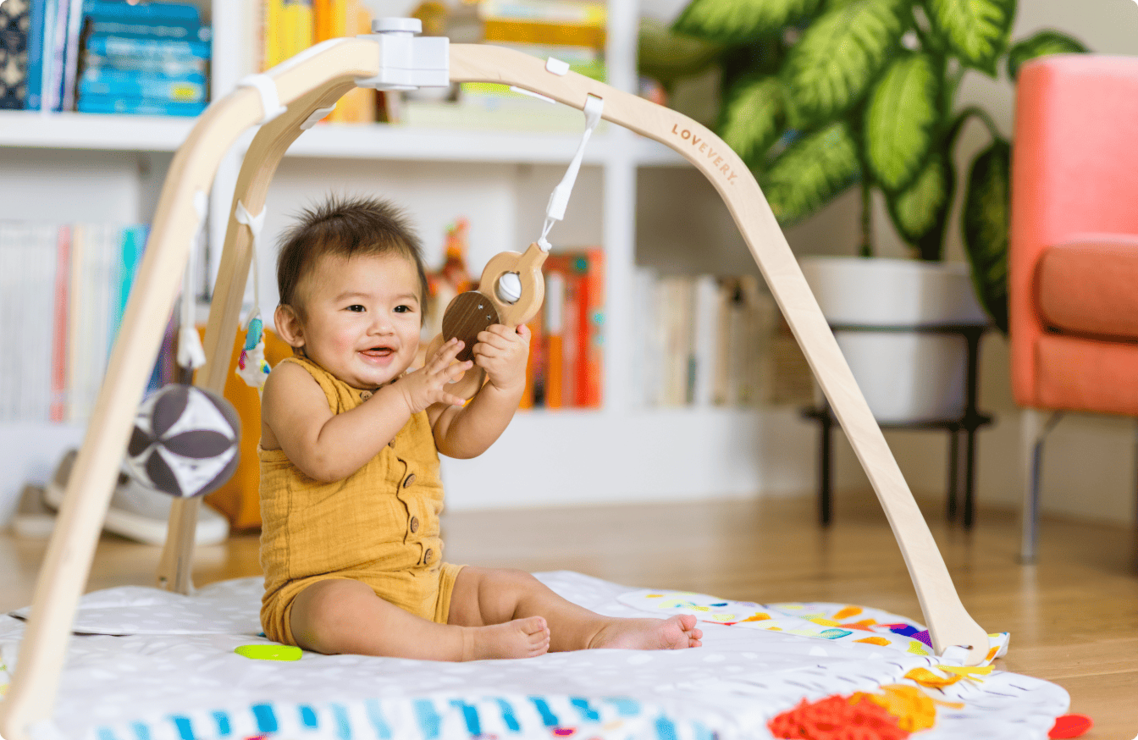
650,634
521,638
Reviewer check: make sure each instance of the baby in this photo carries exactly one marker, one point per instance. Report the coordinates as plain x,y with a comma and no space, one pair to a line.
349,452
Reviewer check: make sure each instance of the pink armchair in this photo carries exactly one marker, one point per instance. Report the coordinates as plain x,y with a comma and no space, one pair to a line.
1073,254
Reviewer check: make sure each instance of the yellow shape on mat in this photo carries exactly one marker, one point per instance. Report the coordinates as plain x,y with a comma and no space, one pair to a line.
916,647
824,622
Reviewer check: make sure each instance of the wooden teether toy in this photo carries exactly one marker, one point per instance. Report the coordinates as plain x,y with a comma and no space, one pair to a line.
510,292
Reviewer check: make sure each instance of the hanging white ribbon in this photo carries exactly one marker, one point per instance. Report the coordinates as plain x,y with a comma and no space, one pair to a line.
559,199
190,353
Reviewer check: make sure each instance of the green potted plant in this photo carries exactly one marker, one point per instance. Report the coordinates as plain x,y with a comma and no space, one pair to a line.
819,96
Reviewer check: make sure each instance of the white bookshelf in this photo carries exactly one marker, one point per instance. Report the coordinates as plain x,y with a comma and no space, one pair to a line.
616,454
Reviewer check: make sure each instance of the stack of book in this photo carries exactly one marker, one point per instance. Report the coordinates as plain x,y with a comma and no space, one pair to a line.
571,31
63,291
566,362
288,27
704,340
145,59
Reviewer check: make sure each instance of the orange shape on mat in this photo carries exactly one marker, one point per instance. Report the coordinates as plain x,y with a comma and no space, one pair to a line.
849,611
874,641
930,680
837,718
758,617
913,708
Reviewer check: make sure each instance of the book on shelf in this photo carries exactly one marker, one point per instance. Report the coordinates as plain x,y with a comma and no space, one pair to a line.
706,340
566,364
15,20
63,291
114,49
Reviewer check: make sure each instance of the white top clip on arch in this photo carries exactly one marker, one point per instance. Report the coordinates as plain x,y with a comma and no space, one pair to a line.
559,199
270,98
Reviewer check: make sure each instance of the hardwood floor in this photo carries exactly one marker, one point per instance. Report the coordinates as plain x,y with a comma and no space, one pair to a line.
1073,617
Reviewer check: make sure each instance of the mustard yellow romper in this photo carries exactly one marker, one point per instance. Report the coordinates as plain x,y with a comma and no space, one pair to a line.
380,526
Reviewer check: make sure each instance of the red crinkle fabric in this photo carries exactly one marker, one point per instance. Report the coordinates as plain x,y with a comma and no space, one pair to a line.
836,718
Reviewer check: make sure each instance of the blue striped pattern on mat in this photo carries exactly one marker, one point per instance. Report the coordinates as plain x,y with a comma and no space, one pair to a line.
421,718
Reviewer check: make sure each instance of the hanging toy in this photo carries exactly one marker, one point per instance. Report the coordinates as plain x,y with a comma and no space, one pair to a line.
251,365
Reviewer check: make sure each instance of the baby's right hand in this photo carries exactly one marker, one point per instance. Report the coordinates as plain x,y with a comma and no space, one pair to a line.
428,385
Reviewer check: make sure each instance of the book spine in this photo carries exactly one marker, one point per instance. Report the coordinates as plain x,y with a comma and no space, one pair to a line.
187,68
142,86
547,11
71,53
14,25
138,107
595,320
35,55
558,34
59,325
57,51
110,46
554,340
185,15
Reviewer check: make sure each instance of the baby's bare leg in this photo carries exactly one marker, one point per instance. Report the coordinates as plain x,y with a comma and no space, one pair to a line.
484,596
344,616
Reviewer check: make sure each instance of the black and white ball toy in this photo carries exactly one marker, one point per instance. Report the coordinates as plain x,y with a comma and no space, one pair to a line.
184,441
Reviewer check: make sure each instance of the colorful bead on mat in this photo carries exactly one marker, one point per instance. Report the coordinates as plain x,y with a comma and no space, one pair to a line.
270,652
837,718
1070,725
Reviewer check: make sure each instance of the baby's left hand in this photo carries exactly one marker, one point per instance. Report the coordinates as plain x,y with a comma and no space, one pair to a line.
503,352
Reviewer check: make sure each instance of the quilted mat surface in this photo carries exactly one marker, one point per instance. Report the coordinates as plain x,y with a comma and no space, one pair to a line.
150,665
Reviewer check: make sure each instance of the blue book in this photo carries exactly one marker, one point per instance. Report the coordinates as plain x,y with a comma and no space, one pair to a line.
103,45
166,14
119,84
35,55
138,106
178,68
14,23
147,30
133,244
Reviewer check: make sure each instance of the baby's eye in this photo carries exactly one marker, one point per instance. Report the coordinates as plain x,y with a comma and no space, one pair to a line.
404,309
357,308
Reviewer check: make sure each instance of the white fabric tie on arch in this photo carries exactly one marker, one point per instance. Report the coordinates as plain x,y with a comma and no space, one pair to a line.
252,367
191,355
559,199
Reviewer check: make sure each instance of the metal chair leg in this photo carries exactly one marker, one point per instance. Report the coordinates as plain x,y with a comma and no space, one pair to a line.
1034,432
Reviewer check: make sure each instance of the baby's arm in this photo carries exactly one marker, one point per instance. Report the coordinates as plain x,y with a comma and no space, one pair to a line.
330,447
469,431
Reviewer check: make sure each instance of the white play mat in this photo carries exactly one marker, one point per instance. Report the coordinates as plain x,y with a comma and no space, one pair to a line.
151,665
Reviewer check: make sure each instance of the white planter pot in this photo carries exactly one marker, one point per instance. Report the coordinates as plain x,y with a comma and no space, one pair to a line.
905,376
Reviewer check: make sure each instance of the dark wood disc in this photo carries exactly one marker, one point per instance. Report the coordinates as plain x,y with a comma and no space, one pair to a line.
468,314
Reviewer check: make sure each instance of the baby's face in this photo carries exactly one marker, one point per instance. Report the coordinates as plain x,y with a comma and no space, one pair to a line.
363,317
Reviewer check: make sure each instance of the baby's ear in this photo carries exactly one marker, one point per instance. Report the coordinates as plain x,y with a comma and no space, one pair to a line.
289,326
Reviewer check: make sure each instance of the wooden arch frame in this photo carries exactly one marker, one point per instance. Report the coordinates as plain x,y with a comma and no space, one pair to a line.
316,80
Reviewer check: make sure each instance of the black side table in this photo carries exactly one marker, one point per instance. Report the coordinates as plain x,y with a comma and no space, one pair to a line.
967,425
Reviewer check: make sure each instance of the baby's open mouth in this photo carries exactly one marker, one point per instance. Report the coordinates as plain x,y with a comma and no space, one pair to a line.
378,351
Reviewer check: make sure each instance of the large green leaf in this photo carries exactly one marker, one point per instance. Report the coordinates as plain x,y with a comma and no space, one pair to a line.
750,120
901,119
665,56
985,232
839,55
977,31
920,211
734,21
810,172
1041,44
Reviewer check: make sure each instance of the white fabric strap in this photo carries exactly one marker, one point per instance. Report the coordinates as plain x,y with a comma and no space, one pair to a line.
190,352
256,226
270,99
559,199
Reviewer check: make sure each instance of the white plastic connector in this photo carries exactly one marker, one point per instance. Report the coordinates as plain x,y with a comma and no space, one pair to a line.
270,99
556,66
407,62
317,116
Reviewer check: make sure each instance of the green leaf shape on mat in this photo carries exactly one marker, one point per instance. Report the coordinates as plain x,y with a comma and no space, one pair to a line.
1041,45
666,56
811,171
750,120
838,57
920,211
735,21
977,31
901,120
985,229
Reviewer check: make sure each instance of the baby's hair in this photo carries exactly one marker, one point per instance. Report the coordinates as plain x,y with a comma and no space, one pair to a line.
346,227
